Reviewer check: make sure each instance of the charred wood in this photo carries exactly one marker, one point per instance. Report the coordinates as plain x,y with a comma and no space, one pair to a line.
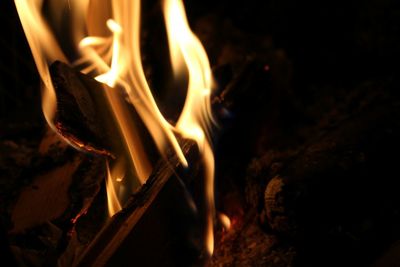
80,105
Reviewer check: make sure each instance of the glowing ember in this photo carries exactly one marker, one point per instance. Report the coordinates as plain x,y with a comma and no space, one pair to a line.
225,221
107,38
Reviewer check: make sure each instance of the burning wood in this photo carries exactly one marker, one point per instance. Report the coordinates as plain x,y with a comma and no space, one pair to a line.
116,61
321,191
164,197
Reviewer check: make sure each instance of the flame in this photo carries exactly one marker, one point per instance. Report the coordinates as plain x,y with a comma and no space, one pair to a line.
225,221
126,71
115,187
112,200
45,50
107,39
187,51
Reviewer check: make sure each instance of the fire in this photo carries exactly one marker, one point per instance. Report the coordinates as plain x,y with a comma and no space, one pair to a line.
112,200
45,50
107,39
187,51
225,221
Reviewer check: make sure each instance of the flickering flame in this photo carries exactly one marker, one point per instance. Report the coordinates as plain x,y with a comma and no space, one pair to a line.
107,38
125,70
45,50
225,221
112,200
186,51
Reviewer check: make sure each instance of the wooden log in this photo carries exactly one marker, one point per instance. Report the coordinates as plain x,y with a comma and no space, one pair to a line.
59,183
160,224
91,116
82,113
158,227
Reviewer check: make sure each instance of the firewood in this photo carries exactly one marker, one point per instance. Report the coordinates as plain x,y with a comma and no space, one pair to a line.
48,197
58,183
158,227
80,103
82,111
135,232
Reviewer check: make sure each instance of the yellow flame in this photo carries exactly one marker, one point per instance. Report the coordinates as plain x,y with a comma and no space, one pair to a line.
188,52
127,127
107,36
45,50
125,70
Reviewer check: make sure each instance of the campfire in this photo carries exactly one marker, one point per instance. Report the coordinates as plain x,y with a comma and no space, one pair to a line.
174,133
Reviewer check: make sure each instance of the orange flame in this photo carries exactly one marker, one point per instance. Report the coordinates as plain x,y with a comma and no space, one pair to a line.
107,36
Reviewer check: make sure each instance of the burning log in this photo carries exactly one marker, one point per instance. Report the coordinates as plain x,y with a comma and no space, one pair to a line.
82,128
64,181
164,197
61,168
